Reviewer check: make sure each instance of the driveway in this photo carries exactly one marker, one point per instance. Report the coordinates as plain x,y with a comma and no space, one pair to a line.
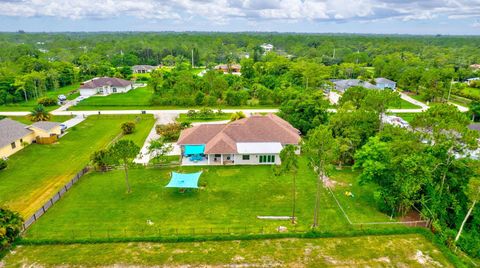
74,121
413,101
162,118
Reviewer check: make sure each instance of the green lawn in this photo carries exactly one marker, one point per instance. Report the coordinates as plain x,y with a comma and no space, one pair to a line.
136,97
470,91
229,201
54,118
403,104
27,106
216,117
364,251
35,173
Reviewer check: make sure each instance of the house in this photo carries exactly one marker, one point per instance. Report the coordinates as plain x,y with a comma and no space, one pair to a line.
104,86
383,83
143,69
470,80
13,135
475,67
266,47
343,84
229,69
380,83
256,140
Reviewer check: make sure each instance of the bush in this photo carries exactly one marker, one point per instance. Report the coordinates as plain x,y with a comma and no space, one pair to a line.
128,127
3,164
46,101
169,132
10,227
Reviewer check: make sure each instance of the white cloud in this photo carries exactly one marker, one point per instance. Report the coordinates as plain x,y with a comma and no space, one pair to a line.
221,11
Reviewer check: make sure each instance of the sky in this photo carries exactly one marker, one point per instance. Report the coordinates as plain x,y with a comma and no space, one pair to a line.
452,17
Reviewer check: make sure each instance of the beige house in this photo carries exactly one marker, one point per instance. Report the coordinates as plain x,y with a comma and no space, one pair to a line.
256,140
14,135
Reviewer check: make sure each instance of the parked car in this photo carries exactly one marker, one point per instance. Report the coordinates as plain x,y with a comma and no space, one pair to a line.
63,127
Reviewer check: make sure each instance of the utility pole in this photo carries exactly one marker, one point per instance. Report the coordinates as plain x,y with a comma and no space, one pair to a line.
450,90
334,52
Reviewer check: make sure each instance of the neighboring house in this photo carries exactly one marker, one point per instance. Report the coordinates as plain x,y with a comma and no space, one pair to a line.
470,80
267,47
256,140
229,69
13,134
143,69
104,86
383,83
475,66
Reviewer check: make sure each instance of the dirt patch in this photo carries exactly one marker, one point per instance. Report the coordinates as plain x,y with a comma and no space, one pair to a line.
327,182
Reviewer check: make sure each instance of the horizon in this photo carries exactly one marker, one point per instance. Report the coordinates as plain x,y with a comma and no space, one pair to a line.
431,17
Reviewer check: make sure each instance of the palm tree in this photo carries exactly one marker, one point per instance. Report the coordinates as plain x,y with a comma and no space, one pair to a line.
39,113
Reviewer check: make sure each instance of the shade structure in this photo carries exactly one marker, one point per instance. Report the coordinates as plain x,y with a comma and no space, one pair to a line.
194,149
183,180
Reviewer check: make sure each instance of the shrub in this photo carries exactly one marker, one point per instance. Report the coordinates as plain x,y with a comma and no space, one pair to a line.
10,227
169,132
3,164
46,101
101,159
128,127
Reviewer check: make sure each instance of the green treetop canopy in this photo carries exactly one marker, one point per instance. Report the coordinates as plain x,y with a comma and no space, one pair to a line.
182,180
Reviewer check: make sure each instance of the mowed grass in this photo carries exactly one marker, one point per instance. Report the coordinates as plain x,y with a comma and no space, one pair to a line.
27,106
216,117
229,200
364,251
54,118
403,104
136,97
35,173
470,91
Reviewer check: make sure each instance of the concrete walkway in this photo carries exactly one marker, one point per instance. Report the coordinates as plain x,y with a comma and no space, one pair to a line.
413,101
74,121
162,119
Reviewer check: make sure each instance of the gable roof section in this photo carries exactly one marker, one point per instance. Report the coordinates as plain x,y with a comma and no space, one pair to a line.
11,130
223,138
45,125
105,81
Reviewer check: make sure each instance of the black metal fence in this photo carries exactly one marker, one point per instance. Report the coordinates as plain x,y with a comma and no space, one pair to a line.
54,199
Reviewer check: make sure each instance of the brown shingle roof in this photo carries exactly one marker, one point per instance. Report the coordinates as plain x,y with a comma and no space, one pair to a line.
222,138
105,81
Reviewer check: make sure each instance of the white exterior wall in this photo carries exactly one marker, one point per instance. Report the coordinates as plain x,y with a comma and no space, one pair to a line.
255,160
106,90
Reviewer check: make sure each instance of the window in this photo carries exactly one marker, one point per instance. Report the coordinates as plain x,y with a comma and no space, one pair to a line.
114,90
267,159
13,145
245,157
21,140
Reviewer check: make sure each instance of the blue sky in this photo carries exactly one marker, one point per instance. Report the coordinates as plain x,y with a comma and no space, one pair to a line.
320,16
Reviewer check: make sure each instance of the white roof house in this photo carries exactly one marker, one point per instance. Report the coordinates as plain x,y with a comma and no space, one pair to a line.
104,86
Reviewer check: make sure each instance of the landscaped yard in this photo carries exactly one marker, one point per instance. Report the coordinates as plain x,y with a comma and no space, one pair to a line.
27,106
229,200
54,118
35,173
365,251
216,117
470,91
403,104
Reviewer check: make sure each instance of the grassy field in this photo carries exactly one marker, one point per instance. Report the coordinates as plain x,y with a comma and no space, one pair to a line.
230,199
137,97
403,104
184,118
40,170
364,251
470,91
54,118
27,106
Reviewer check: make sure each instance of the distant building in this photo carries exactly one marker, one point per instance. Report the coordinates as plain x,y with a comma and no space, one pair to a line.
229,69
380,83
470,80
267,47
143,69
104,86
383,83
475,66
